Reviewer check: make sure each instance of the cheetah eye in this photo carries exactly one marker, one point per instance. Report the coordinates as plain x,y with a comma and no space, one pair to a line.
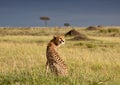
60,38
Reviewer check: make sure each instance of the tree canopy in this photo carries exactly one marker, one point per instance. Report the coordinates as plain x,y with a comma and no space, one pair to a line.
67,24
45,18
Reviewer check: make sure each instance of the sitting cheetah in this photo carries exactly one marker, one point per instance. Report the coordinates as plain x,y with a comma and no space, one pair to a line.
54,61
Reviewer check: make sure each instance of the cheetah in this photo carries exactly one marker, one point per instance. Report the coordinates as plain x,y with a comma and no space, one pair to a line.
54,61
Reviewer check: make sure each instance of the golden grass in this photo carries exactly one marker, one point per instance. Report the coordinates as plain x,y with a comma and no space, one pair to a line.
94,62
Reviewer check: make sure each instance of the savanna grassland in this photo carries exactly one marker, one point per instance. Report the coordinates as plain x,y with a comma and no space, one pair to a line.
91,62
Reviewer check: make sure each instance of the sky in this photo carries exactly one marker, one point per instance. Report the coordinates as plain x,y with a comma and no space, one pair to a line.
25,13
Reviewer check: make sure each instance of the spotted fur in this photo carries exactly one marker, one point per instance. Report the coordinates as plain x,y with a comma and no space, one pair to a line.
54,61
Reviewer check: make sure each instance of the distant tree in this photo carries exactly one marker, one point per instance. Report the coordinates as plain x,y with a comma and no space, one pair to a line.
67,24
45,18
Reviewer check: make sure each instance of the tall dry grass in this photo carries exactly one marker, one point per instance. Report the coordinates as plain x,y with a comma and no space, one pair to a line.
94,62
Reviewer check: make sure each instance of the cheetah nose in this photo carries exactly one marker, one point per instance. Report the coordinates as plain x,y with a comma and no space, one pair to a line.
62,41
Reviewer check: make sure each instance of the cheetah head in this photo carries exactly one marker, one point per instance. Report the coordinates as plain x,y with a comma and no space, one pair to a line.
58,39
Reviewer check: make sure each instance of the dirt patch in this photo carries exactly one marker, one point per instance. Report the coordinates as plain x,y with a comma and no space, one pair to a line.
80,37
72,32
77,35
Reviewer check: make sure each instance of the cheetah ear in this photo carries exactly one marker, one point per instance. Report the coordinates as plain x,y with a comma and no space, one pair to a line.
54,37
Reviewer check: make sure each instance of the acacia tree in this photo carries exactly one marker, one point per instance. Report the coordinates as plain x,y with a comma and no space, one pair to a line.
67,24
45,18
